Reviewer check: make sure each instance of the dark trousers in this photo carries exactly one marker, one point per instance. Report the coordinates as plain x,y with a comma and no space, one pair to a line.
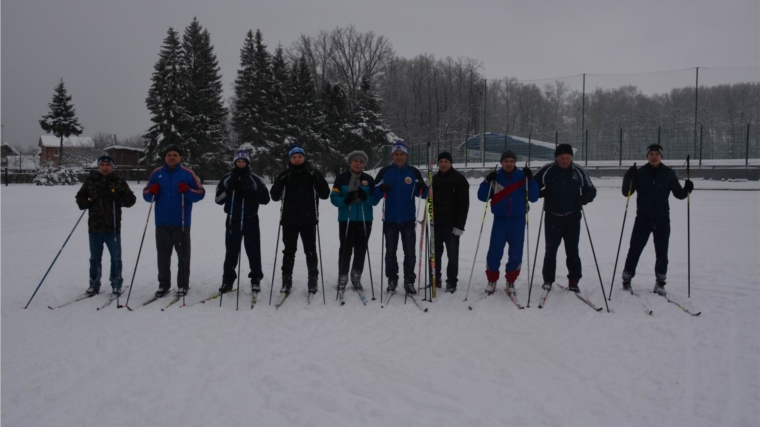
355,242
642,228
251,238
392,230
113,243
290,241
559,228
168,238
444,237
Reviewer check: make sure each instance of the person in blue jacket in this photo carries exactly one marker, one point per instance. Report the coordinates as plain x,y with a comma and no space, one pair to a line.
399,183
352,194
241,192
174,188
566,188
507,187
653,182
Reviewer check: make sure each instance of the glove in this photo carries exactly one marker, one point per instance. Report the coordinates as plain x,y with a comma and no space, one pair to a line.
528,173
350,198
457,232
282,179
154,189
114,195
183,187
232,183
688,186
361,195
583,199
545,193
90,202
491,176
385,188
631,172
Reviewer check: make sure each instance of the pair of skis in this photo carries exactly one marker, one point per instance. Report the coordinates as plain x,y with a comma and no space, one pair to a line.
408,295
109,301
358,291
545,294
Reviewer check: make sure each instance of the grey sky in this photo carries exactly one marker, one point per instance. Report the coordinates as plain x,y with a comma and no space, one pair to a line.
105,50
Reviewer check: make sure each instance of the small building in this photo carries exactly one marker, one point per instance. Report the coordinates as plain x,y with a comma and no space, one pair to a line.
74,146
125,157
496,143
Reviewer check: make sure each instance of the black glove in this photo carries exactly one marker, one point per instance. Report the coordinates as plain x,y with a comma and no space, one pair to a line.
545,193
528,173
361,195
283,179
114,195
385,188
232,183
631,172
350,198
583,199
491,176
688,186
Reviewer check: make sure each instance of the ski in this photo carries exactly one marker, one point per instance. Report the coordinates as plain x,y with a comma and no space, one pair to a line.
254,299
309,296
79,298
388,301
580,297
678,305
360,292
213,297
431,222
542,301
646,309
174,300
340,298
111,299
513,298
153,298
424,310
483,297
281,299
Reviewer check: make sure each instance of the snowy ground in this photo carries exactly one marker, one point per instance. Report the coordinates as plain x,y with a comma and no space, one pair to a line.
564,365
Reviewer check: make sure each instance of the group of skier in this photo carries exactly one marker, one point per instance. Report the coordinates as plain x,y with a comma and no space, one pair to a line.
565,187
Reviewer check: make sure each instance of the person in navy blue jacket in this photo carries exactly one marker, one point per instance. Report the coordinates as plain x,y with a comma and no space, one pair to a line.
508,189
174,188
352,194
400,183
566,188
653,182
241,192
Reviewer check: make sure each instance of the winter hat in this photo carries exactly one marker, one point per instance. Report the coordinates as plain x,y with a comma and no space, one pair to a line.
241,154
654,147
106,159
399,147
172,147
445,155
509,154
563,149
358,154
295,149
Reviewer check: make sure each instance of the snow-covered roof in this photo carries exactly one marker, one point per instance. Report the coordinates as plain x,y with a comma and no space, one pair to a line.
72,141
10,147
122,147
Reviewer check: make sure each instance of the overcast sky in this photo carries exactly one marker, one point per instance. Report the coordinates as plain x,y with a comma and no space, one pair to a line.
105,50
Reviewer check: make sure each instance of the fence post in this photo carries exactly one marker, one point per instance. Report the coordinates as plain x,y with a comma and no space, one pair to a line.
701,132
529,139
585,150
658,135
696,105
556,139
746,156
466,153
485,99
620,162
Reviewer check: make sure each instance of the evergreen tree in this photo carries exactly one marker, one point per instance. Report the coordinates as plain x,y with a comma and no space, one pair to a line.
166,100
61,120
367,119
206,134
336,128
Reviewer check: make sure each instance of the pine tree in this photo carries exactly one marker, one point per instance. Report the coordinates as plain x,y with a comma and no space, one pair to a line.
61,120
206,134
369,123
335,126
166,100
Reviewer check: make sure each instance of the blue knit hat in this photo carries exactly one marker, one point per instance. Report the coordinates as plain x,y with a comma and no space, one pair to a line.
399,147
106,159
296,149
241,154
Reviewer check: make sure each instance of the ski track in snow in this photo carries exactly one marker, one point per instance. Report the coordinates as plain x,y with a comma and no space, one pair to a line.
563,365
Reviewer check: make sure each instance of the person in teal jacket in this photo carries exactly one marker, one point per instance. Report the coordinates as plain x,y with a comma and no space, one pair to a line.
352,194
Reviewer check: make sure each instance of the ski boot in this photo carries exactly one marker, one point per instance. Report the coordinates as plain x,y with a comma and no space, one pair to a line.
181,292
92,290
451,287
409,288
547,286
627,281
573,287
312,285
659,288
116,290
287,284
161,292
342,281
255,287
392,284
356,280
511,288
490,288
226,287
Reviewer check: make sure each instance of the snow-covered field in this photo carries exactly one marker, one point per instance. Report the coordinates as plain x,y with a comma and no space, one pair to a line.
495,365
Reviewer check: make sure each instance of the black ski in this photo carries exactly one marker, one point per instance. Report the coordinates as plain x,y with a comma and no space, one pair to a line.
111,299
153,298
79,298
542,300
388,301
424,310
174,300
580,297
283,296
678,305
483,297
254,299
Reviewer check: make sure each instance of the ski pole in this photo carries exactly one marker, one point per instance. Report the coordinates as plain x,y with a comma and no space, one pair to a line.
382,252
527,217
535,256
422,238
583,214
369,261
342,256
620,243
319,243
56,258
276,247
688,230
229,214
113,207
240,252
475,258
183,214
137,261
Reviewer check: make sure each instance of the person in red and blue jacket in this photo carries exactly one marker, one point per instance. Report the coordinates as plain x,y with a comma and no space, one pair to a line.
174,188
399,184
507,188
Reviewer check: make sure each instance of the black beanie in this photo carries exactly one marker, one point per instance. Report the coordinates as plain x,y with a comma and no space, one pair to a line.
654,147
445,155
563,149
172,147
507,155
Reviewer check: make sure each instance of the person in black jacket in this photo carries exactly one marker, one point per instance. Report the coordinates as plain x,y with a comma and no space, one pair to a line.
450,207
104,193
566,188
241,192
654,182
298,187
